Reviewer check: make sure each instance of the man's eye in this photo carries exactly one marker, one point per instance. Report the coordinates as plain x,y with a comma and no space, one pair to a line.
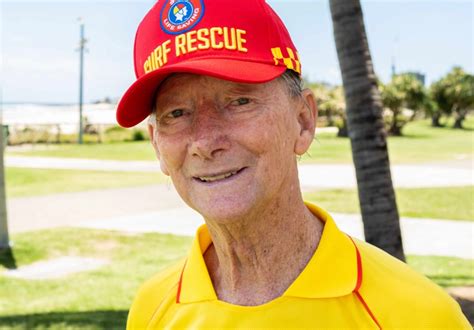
172,117
176,113
241,101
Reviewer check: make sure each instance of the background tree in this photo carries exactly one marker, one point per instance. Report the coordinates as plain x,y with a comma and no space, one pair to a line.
331,106
366,128
321,91
337,105
432,110
454,95
403,92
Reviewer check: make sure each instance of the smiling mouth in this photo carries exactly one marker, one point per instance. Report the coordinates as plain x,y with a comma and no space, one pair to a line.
218,177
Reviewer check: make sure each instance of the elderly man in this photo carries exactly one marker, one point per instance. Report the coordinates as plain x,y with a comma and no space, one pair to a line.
220,82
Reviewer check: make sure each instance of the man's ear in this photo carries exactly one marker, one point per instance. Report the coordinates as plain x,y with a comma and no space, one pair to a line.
307,116
154,143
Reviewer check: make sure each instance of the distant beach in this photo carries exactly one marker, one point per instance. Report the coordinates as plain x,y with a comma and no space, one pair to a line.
67,116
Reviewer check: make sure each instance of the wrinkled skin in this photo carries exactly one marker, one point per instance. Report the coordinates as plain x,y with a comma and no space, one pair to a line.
230,150
224,127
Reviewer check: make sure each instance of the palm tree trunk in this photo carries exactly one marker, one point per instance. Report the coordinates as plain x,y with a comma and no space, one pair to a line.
435,117
395,127
366,129
342,132
4,240
459,116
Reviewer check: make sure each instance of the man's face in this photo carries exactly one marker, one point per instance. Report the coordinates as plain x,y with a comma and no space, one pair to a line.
228,147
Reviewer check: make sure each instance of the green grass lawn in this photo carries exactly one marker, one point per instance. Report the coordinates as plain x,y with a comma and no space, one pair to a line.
141,150
439,203
445,271
421,143
21,182
100,299
96,299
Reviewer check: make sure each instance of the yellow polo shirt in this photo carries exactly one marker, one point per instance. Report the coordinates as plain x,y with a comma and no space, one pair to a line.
346,284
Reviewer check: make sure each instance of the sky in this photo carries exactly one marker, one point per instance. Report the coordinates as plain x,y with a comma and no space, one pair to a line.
39,61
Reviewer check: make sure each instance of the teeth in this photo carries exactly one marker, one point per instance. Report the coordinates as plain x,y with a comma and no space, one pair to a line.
217,177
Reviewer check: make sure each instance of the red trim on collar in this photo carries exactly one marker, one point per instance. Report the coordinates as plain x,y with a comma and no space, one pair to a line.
359,266
359,296
359,283
178,294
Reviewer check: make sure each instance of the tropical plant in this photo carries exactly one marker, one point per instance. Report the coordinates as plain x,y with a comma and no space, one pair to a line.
454,94
331,105
321,91
366,128
336,104
403,92
431,109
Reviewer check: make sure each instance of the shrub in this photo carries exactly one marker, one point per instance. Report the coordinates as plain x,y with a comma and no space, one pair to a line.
138,135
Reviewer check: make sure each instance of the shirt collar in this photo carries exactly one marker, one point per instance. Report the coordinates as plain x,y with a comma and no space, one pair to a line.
331,272
195,283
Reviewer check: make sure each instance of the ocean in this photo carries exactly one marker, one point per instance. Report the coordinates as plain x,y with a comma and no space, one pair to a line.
65,115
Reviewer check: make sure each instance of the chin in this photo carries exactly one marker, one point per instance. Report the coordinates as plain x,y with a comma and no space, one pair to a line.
225,210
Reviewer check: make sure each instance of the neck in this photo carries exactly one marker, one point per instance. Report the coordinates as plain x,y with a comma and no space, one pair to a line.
255,260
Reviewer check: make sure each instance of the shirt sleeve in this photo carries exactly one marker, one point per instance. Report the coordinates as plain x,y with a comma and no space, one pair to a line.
400,297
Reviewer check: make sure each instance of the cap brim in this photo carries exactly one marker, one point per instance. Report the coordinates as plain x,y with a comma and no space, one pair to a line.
137,102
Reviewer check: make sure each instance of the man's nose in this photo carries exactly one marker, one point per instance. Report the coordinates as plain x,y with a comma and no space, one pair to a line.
209,134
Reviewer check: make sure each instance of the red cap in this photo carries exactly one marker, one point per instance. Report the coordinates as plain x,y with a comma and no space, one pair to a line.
237,40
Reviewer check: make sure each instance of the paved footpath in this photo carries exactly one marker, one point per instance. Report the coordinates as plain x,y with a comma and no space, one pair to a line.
158,208
320,176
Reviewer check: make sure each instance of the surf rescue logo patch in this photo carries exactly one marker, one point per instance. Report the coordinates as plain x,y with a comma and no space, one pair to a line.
178,16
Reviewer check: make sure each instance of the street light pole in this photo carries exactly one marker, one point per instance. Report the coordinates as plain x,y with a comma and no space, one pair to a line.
4,239
394,55
82,42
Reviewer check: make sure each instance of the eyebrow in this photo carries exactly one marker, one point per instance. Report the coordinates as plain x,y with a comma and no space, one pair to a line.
244,88
233,89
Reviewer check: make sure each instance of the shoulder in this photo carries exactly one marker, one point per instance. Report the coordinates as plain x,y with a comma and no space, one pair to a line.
152,294
400,297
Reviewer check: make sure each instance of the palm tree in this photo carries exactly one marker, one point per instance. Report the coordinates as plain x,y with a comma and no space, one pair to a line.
4,240
366,128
